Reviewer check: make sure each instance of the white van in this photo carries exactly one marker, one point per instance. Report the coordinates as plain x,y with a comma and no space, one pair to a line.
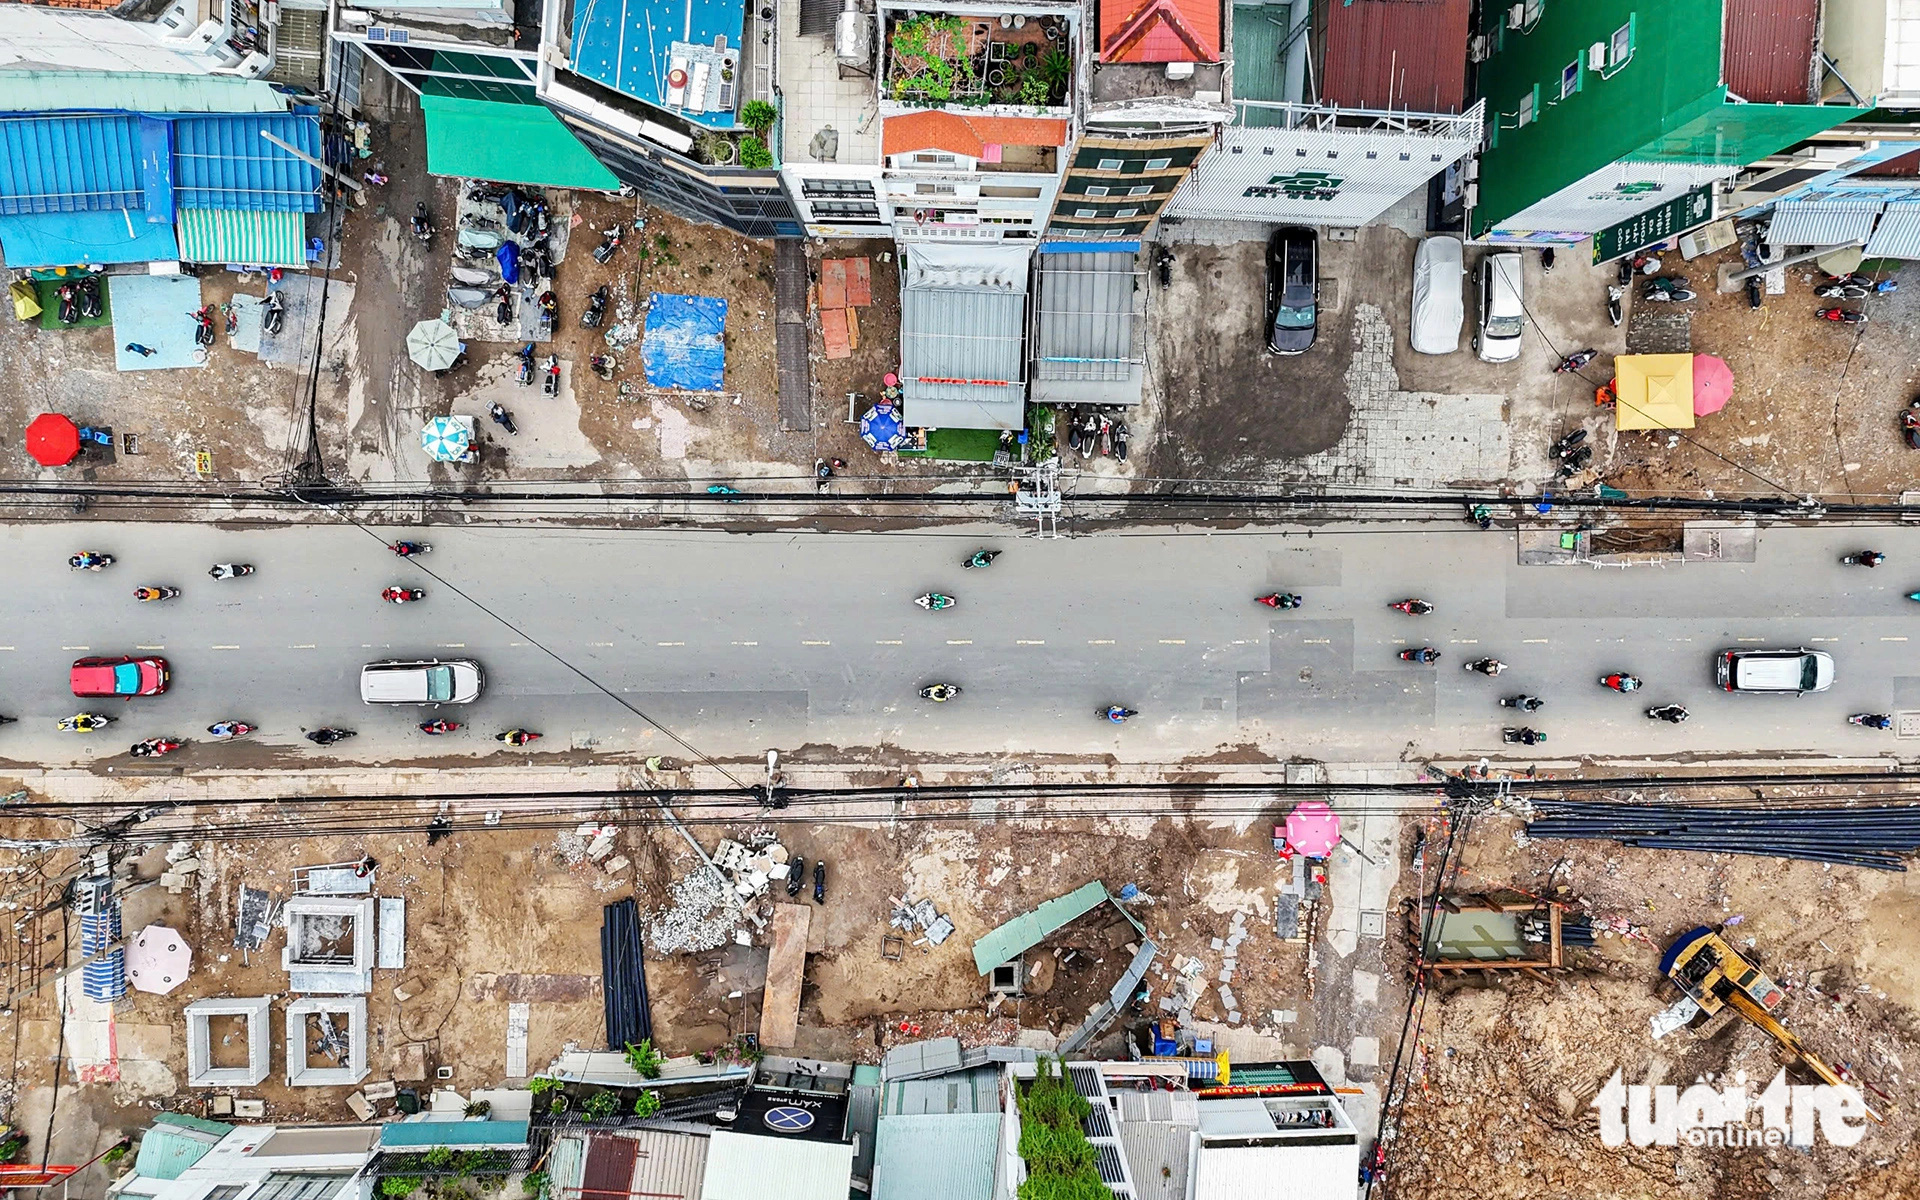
423,682
1502,316
1438,310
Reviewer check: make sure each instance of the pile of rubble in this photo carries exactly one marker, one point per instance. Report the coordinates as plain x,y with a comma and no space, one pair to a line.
712,907
1187,985
910,914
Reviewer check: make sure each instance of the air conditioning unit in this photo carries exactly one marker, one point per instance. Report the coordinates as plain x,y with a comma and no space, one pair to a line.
1471,169
1480,48
1516,16
1597,57
1471,194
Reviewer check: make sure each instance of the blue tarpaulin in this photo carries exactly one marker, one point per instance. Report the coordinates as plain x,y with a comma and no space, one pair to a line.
684,344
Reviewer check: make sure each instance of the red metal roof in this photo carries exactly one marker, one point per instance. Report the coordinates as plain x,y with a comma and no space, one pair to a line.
1159,31
1399,54
1768,53
1905,166
935,130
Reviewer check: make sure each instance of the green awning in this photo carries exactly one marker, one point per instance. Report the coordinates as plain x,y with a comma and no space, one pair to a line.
508,143
225,235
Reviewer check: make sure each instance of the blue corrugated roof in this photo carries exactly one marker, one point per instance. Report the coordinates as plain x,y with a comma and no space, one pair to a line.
69,164
223,162
99,238
624,44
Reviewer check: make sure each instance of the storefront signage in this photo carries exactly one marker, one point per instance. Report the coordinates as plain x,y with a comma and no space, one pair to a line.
1655,225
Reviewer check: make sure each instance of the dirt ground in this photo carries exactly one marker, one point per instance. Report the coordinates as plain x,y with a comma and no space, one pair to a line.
1505,1072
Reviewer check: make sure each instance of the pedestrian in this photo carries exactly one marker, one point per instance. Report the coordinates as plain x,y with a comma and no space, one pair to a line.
375,178
142,351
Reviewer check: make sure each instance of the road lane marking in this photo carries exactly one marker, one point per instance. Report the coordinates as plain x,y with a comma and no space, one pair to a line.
457,645
604,645
662,643
1099,641
519,643
806,643
302,646
1893,639
149,647
1745,639
891,643
1535,641
1464,641
746,643
959,641
6,647
76,647
1317,642
1173,641
1029,642
1823,639
223,647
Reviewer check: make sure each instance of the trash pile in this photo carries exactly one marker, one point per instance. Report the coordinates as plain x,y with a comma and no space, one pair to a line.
910,914
709,908
181,867
1187,985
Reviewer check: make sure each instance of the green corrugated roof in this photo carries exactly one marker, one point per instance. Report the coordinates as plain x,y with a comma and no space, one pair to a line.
946,1157
221,235
175,1142
508,143
1258,34
133,91
1023,933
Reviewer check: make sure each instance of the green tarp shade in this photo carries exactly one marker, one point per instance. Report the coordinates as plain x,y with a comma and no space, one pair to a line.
221,235
508,143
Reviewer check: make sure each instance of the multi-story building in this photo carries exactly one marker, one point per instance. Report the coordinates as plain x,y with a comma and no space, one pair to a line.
1608,109
232,37
1341,110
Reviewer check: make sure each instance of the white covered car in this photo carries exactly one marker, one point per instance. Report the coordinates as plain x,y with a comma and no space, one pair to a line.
1438,309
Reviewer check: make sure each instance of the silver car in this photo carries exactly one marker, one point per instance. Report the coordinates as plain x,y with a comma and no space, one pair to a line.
426,681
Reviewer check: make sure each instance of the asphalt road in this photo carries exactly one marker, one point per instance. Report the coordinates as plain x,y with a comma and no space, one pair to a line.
744,643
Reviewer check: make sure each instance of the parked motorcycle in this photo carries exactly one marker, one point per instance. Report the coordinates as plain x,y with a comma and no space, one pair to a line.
1871,720
796,875
604,365
596,309
1843,316
1089,434
526,365
1523,702
1865,558
203,325
423,229
1615,294
1756,292
69,308
551,386
820,881
1619,682
87,298
609,242
1163,263
1120,440
503,304
1910,423
1576,360
273,315
1668,289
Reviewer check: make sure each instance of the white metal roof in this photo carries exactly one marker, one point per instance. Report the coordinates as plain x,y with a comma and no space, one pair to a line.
1898,235
1276,1172
1822,222
744,1166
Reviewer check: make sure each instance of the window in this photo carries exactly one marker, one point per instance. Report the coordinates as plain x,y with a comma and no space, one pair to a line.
1111,164
1096,190
933,189
933,158
1620,48
852,212
1159,164
1086,212
835,187
226,1191
299,1185
1127,212
1144,189
1570,79
1526,109
1530,14
990,192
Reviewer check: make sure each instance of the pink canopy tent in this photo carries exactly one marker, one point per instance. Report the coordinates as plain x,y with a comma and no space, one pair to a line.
1313,829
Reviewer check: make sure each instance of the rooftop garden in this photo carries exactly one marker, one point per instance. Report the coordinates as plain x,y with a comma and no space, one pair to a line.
1059,1158
939,59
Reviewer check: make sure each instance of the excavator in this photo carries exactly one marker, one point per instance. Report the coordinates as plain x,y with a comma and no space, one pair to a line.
1712,975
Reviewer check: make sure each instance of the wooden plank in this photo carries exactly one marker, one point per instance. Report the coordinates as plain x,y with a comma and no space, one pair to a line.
859,282
833,331
833,283
786,967
853,329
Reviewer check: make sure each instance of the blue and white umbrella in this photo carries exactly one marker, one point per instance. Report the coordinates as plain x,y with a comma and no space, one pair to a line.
881,428
448,439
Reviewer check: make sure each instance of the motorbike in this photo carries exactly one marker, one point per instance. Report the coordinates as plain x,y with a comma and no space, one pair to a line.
604,365
459,360
980,558
1073,428
1865,558
551,385
477,243
1619,682
940,693
230,570
83,722
327,736
1089,434
1480,515
516,737
438,726
596,309
503,304
1756,292
820,881
1106,438
1412,607
1568,443
1576,360
796,875
203,325
1279,600
1855,287
1486,666
1845,316
540,261
422,225
1615,294
1668,289
609,242
526,365
1522,735
401,595
549,311
1420,654
1115,713
87,297
823,469
502,418
1673,713
1523,702
1575,462
1910,423
144,594
69,303
154,747
273,315
1163,263
935,601
407,549
225,730
1120,440
89,560
1871,720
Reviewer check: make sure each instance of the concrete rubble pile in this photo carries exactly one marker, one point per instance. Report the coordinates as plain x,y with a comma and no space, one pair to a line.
710,908
1188,984
910,914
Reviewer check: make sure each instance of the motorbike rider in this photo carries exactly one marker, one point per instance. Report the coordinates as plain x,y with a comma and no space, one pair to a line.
86,560
148,593
399,595
229,729
1486,666
1412,607
1674,713
1870,558
438,725
1525,736
1117,714
153,748
1280,600
327,736
1523,702
85,722
1425,654
403,549
982,558
515,737
940,692
1874,720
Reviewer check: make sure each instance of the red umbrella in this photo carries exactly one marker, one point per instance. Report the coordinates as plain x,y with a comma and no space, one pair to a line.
53,440
1712,384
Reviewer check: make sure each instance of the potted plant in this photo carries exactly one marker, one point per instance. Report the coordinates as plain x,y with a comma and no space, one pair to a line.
600,1106
1057,70
758,116
643,1058
646,1104
754,153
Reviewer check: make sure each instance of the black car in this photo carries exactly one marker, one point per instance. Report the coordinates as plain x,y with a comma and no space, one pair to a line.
1293,285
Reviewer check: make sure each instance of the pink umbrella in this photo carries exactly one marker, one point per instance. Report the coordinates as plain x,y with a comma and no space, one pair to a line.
1313,829
159,959
1712,384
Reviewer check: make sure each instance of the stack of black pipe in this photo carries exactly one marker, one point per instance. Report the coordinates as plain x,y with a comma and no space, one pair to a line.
1879,837
623,975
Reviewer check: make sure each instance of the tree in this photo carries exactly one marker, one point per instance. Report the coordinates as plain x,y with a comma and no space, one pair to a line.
759,116
754,153
641,1055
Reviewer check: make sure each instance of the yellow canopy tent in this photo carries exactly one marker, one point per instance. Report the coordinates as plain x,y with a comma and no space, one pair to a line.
1654,391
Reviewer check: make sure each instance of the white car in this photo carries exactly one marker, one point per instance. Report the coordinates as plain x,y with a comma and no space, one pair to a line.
1438,309
1502,315
421,682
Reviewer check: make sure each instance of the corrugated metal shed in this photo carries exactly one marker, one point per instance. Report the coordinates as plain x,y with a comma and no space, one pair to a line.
1236,1172
1158,1153
1767,55
1898,235
947,1157
667,1163
69,164
1259,72
960,357
62,91
970,1091
64,239
747,1167
1822,222
1395,54
1087,344
224,162
175,1142
270,239
1024,932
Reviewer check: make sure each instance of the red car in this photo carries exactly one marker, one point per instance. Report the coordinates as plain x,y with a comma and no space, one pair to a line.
125,677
